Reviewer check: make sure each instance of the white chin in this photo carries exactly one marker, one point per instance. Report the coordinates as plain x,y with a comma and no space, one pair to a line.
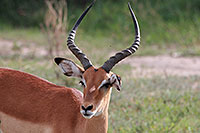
88,115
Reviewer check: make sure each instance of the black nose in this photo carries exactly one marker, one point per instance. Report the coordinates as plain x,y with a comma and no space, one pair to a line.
87,108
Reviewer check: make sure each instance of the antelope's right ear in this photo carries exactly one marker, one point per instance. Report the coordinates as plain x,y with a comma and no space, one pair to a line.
69,68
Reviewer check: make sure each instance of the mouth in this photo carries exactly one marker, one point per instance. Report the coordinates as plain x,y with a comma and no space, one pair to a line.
87,115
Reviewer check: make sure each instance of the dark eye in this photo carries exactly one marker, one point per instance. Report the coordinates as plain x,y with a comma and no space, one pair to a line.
81,83
106,85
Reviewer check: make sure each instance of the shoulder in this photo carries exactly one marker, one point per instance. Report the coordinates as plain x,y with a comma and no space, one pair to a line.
72,92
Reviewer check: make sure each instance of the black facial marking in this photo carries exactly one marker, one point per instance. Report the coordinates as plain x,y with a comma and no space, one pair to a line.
83,107
58,60
112,82
90,107
87,108
68,74
119,79
95,70
106,85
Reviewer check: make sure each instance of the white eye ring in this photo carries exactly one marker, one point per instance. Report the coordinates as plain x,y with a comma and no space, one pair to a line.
81,83
102,83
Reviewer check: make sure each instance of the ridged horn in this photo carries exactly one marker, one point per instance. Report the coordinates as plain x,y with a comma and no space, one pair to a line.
113,60
71,45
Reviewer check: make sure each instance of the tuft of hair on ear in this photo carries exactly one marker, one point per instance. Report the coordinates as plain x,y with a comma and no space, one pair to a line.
58,60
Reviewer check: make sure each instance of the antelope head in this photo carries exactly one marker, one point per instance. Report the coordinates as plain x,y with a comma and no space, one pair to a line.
97,82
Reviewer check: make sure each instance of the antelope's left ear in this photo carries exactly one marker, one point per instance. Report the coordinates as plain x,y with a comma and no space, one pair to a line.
115,80
69,68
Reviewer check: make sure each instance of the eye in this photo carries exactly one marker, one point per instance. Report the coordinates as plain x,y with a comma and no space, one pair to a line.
106,85
81,83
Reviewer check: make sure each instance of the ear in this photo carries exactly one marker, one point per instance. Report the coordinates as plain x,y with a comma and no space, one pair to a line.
115,80
69,68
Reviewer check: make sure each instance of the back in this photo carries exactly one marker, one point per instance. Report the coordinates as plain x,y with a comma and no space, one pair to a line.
30,98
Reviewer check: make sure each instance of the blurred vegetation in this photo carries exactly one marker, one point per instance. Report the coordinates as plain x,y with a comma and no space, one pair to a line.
162,22
21,12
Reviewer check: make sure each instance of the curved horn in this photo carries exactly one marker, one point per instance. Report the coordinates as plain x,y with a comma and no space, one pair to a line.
109,64
71,45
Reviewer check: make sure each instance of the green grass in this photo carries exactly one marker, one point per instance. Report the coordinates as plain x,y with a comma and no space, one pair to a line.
22,34
156,105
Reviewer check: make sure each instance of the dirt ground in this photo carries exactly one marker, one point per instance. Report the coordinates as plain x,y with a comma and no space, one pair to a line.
141,66
21,47
164,65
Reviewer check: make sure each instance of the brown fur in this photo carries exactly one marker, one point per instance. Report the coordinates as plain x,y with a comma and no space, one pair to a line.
28,98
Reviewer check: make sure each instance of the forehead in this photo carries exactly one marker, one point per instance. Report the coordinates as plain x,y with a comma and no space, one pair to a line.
95,76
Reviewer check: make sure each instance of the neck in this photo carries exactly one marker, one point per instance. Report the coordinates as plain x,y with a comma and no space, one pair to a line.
99,124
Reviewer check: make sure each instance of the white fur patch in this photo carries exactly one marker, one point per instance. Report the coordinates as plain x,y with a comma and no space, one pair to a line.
84,82
88,112
10,124
1,131
113,80
102,83
92,89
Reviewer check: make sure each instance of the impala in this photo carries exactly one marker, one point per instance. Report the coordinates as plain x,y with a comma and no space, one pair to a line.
29,104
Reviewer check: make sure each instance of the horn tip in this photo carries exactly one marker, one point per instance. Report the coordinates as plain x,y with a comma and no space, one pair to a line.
129,5
93,2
